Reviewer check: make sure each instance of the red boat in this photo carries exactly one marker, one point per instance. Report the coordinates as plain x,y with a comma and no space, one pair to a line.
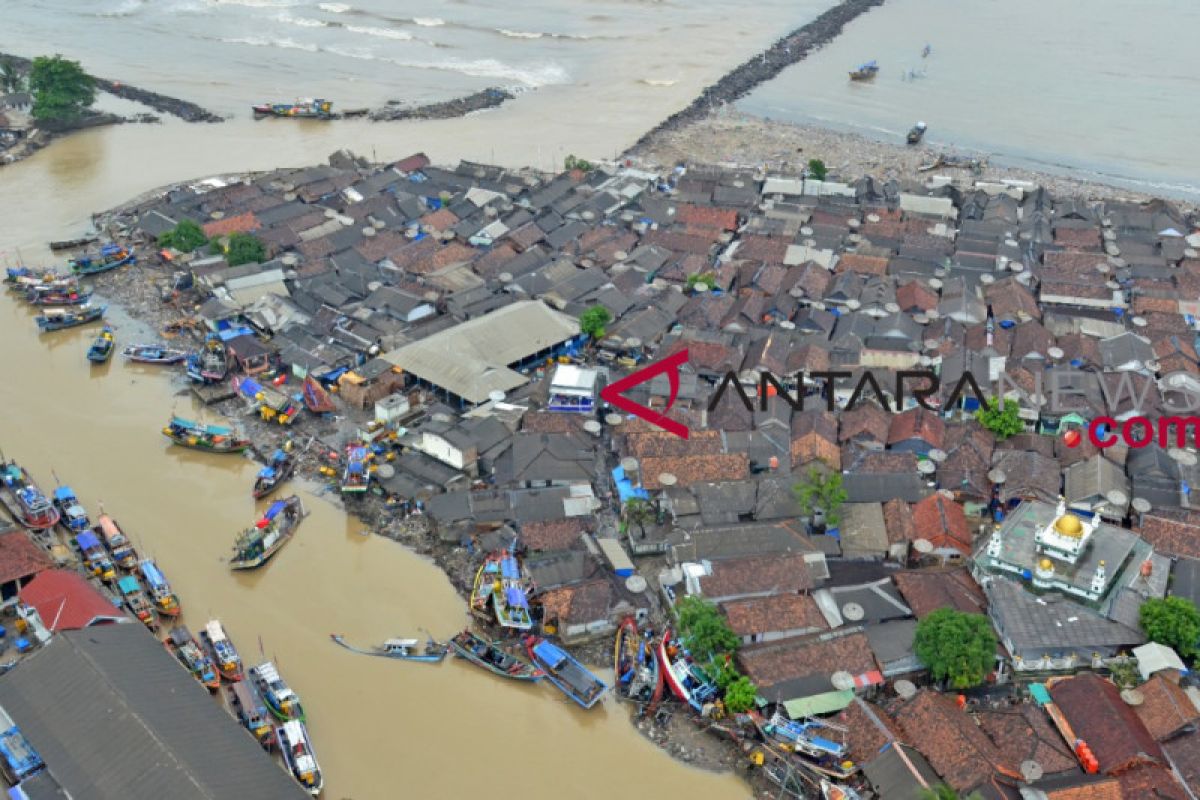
684,679
636,665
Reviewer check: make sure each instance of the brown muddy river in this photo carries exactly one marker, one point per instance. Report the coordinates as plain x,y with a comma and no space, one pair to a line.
380,729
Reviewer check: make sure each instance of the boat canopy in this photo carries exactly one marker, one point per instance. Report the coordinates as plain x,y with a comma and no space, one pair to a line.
109,528
515,597
63,494
180,636
153,576
510,569
87,541
214,630
275,508
128,585
278,456
267,472
550,654
249,387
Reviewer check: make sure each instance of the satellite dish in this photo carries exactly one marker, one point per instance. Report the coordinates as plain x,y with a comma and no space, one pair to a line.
1031,771
1187,459
997,476
842,680
217,215
1102,268
1141,505
935,283
1132,697
1116,497
386,471
937,455
853,304
796,292
787,324
926,467
1016,266
368,231
923,546
872,218
987,278
891,308
636,584
806,231
289,260
700,288
620,255
1055,352
933,313
853,612
931,344
921,319
593,427
853,224
905,688
1139,322
667,479
374,286
330,213
629,464
613,419
946,493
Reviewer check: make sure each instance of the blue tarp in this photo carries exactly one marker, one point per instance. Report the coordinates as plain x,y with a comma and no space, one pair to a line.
275,508
87,540
548,653
266,472
509,569
515,597
625,487
249,387
128,585
64,493
278,456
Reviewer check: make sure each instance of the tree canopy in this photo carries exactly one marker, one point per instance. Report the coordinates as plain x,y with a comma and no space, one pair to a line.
61,89
957,647
244,249
697,278
821,491
817,169
1173,621
706,632
593,321
1003,421
572,162
185,237
638,511
740,695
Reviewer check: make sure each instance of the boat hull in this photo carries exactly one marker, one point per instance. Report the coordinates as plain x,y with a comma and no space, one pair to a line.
487,655
557,674
424,658
636,665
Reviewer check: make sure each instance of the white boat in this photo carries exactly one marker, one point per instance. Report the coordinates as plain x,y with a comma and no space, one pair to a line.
298,754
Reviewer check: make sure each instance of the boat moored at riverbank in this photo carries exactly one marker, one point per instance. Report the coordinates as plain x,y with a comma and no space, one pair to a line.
57,319
109,257
307,108
165,601
181,644
200,436
95,558
27,504
298,755
637,673
565,672
270,477
283,703
221,650
682,676
492,657
117,542
400,649
102,347
153,354
255,545
251,712
135,601
57,296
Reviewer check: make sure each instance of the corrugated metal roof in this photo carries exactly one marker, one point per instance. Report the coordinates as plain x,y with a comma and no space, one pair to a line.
114,716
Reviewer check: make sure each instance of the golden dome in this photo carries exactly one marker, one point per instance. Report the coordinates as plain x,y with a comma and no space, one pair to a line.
1046,565
1069,525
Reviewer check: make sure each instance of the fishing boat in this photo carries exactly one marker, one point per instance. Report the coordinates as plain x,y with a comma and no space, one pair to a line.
165,601
181,644
134,599
832,791
916,133
117,542
153,354
282,466
279,697
307,108
57,319
316,398
71,514
565,672
211,364
272,405
682,676
510,599
493,658
24,500
42,295
221,650
110,256
819,743
298,755
357,475
865,72
251,712
95,558
635,665
210,438
24,277
101,349
401,649
255,545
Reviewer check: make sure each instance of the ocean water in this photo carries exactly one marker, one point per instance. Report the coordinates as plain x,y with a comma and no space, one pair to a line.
1106,88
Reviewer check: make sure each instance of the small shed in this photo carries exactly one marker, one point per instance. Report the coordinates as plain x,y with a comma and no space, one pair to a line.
616,556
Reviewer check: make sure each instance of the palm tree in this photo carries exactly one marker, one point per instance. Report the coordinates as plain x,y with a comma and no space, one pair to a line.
638,512
11,79
944,792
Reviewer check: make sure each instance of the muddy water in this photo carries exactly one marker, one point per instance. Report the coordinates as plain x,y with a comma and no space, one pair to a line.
380,729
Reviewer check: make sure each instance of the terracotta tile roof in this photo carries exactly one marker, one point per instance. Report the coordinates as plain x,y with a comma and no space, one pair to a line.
1185,752
927,590
526,236
762,248
552,422
66,601
862,264
1143,304
865,421
814,438
491,263
20,557
869,729
1172,531
556,603
660,443
694,469
414,163
781,612
1103,789
1094,708
1025,733
679,242
943,522
724,219
898,522
242,223
1150,781
554,534
1012,300
776,573
916,295
916,423
1166,708
379,247
1078,238
775,663
710,356
809,358
589,602
948,737
441,220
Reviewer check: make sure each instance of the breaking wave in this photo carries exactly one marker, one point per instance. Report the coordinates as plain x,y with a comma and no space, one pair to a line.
519,34
429,22
659,81
303,22
334,8
255,3
124,10
385,33
286,44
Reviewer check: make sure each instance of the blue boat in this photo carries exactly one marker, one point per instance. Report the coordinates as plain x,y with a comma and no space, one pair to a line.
511,603
20,760
273,474
56,319
102,349
95,557
818,742
73,515
165,601
110,256
865,72
565,672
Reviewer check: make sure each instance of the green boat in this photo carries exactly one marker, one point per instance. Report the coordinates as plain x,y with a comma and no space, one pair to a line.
210,438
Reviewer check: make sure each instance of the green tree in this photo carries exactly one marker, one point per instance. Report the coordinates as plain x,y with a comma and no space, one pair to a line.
1003,421
11,79
1173,621
638,511
957,647
816,169
944,792
740,695
823,491
1125,674
244,249
593,321
185,237
61,89
571,162
706,632
697,278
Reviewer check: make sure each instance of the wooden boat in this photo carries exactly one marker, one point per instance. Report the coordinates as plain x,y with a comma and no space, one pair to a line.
27,504
820,744
401,649
270,477
57,319
221,650
71,244
153,354
25,276
565,672
117,542
298,755
916,133
682,676
210,438
316,398
357,475
71,513
251,712
510,600
110,256
273,405
165,601
491,657
102,348
255,545
211,364
42,295
635,665
307,108
865,72
135,600
279,697
181,644
95,558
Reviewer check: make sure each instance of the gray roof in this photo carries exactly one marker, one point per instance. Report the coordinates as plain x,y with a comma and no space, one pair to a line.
115,716
1185,579
881,487
1051,621
892,776
862,530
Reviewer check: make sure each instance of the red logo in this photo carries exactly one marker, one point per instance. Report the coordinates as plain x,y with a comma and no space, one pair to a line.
1072,438
670,365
